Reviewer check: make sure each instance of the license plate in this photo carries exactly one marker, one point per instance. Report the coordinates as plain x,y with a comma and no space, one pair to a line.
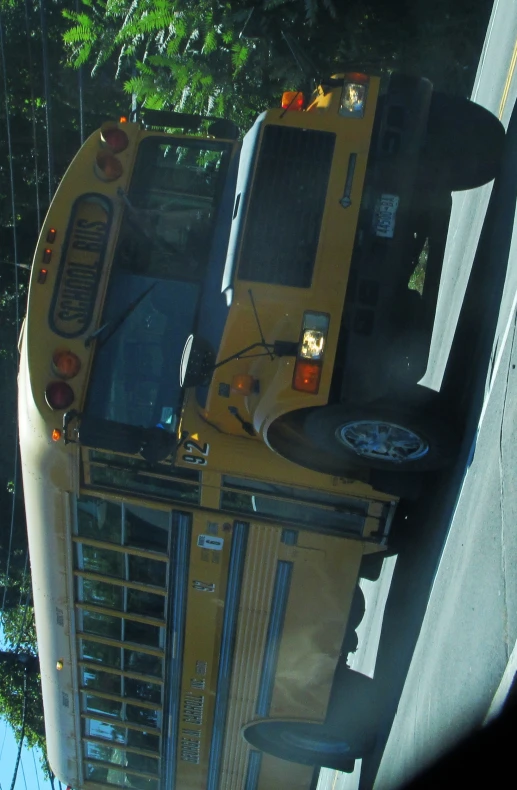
385,214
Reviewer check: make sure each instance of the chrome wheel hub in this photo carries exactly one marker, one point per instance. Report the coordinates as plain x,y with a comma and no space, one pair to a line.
384,441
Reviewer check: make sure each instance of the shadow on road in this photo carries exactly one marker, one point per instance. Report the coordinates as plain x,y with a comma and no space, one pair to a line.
422,526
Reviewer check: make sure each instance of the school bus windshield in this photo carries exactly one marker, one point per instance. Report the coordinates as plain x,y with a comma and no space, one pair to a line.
156,281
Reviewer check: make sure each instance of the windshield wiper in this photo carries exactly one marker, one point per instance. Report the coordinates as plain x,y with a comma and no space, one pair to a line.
115,323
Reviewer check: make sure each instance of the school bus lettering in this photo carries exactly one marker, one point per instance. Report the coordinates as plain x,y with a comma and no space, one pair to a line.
193,709
81,265
190,749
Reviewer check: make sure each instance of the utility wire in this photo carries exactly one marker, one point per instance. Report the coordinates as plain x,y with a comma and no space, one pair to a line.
35,769
23,774
48,101
80,81
33,114
16,283
22,733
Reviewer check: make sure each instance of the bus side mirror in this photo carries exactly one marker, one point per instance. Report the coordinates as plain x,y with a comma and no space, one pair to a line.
197,362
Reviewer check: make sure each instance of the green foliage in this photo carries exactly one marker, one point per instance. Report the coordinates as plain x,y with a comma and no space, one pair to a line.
11,703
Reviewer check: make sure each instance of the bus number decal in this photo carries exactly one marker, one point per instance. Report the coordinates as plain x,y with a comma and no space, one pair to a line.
193,447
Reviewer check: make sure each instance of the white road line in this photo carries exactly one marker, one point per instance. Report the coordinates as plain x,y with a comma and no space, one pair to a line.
504,687
485,48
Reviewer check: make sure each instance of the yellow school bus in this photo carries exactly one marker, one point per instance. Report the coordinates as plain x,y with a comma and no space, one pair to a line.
196,531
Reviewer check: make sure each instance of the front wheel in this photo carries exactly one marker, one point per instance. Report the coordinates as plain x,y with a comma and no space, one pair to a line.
306,743
384,437
464,144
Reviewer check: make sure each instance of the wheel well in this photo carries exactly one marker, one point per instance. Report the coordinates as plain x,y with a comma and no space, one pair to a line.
286,437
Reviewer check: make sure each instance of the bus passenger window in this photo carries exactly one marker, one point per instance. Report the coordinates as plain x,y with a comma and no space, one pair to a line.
143,634
101,654
144,663
147,571
142,534
101,681
100,593
143,740
139,602
104,731
138,689
103,561
102,625
107,707
99,519
145,716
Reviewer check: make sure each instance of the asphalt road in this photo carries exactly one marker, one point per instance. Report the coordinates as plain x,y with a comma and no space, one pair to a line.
449,627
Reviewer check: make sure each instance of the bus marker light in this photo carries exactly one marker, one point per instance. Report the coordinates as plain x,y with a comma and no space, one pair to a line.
307,376
353,96
122,119
293,100
66,364
47,255
59,395
56,435
116,139
107,166
244,385
51,235
42,276
60,664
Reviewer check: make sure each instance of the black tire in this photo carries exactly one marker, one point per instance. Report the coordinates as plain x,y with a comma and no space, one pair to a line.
306,743
430,443
464,145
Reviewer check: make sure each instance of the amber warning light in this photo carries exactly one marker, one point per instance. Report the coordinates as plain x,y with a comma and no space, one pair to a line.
293,100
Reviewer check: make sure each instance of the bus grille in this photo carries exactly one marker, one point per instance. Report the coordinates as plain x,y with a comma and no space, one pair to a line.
286,206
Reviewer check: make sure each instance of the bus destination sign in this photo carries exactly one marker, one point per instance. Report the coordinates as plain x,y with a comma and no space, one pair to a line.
81,265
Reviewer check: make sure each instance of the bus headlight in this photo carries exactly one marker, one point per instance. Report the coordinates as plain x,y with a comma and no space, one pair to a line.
353,95
314,335
309,361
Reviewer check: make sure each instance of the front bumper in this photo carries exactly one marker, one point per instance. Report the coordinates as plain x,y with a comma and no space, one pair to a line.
374,356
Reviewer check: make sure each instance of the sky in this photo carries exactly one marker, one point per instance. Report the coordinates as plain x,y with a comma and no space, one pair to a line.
30,775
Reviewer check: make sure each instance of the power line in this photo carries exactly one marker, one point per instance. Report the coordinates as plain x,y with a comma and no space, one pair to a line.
33,114
22,733
15,245
23,773
80,81
3,742
48,101
36,770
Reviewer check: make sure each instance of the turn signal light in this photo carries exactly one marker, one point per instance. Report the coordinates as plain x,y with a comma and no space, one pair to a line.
59,395
56,435
66,364
107,166
293,100
244,385
114,138
307,376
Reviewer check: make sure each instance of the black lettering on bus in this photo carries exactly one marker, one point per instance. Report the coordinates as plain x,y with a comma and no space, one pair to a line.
87,246
190,750
193,709
71,315
93,224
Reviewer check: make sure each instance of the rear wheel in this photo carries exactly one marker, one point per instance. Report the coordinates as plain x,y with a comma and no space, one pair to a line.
464,144
306,743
